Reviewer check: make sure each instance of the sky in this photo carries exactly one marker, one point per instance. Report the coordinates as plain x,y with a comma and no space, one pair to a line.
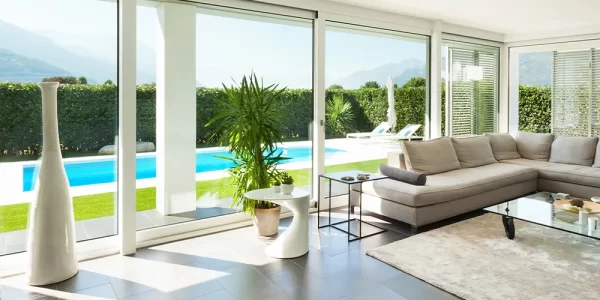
227,46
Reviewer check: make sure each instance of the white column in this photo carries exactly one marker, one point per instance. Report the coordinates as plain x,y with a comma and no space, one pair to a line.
503,113
176,108
435,107
513,100
319,103
127,130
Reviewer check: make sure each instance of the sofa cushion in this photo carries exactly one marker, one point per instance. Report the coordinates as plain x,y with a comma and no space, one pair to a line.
473,151
597,159
403,175
451,185
534,146
430,157
503,145
573,150
574,174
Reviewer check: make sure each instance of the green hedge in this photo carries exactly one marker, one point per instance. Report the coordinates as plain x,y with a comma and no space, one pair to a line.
88,119
86,116
535,109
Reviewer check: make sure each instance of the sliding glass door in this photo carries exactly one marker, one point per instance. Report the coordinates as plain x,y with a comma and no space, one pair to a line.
73,42
376,83
190,59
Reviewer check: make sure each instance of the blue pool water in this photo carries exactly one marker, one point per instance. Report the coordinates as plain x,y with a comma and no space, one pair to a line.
103,170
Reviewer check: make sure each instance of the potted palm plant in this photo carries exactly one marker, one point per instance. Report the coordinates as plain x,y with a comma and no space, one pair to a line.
249,123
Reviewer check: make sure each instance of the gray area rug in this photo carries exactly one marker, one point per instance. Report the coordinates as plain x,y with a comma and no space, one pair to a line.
473,259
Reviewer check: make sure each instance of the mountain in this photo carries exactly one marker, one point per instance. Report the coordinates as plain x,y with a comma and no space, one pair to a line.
18,68
381,74
407,75
535,68
103,47
35,46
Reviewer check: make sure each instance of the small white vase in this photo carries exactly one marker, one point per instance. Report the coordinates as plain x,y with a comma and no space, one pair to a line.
277,188
287,189
51,241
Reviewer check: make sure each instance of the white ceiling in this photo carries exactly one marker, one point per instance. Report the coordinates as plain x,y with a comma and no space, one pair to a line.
510,17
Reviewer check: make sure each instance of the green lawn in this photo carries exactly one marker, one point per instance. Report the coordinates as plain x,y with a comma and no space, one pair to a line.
14,217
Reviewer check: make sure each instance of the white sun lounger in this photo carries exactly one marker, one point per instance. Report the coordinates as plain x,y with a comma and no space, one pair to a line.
382,130
406,133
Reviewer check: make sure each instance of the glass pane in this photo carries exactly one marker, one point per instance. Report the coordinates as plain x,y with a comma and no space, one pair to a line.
366,70
228,45
73,42
535,91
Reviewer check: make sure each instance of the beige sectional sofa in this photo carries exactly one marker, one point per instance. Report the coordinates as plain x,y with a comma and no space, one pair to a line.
466,174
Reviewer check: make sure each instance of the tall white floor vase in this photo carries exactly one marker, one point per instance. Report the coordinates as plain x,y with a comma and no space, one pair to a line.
51,244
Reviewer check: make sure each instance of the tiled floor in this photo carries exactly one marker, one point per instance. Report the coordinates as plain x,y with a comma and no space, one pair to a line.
232,265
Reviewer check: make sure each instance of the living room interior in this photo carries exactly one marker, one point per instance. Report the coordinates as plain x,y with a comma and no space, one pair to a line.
329,149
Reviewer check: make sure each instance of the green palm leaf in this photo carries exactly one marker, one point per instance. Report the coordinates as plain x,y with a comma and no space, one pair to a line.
248,123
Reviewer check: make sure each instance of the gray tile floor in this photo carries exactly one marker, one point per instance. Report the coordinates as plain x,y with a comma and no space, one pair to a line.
232,265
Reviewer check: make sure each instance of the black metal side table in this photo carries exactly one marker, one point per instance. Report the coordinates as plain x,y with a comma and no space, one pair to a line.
338,178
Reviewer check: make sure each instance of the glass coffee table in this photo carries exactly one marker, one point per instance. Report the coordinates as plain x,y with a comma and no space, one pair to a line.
539,209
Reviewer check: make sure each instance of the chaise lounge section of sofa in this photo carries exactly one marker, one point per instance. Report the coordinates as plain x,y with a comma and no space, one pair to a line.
466,174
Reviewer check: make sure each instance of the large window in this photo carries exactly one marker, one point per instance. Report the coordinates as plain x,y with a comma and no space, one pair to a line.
376,86
558,89
73,42
472,92
195,51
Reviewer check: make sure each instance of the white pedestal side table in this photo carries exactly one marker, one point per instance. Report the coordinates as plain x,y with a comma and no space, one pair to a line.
294,241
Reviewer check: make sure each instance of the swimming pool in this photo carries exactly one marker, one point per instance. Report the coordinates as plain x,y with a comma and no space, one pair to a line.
103,170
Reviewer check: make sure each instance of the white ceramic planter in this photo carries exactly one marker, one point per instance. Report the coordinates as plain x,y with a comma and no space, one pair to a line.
287,189
51,244
277,188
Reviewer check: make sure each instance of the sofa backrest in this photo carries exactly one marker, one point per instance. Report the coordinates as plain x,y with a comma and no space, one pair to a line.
573,150
534,146
430,157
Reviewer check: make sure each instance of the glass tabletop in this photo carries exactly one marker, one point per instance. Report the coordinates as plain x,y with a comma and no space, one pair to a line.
353,173
539,209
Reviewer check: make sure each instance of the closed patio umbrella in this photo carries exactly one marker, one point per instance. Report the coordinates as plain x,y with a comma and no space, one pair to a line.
391,113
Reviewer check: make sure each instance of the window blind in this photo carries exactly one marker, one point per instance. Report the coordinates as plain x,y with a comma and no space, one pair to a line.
474,91
595,95
571,93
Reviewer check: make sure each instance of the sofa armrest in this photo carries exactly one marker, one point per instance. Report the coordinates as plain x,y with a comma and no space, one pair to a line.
396,159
